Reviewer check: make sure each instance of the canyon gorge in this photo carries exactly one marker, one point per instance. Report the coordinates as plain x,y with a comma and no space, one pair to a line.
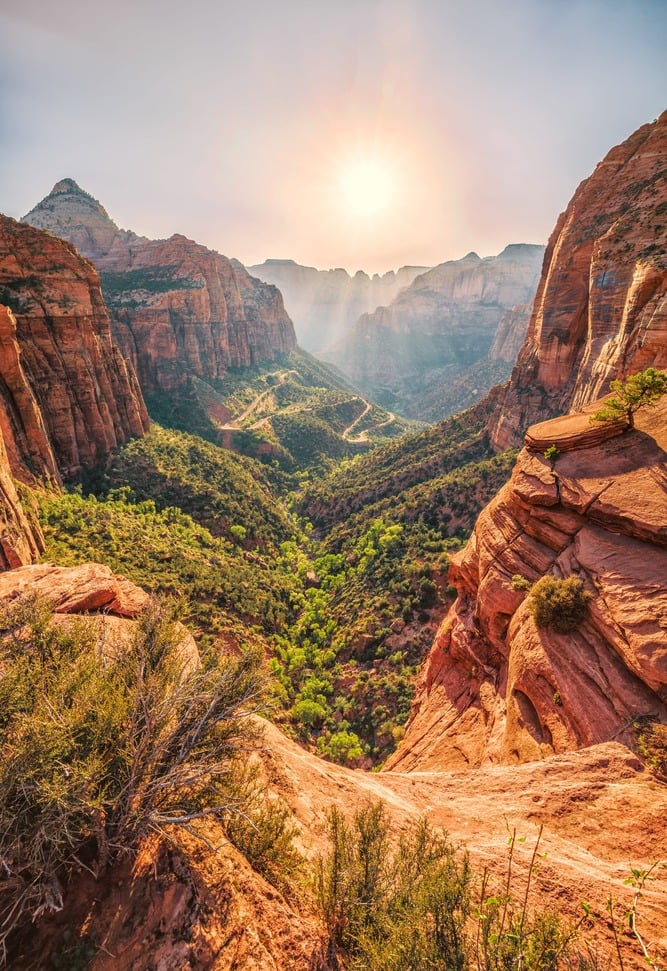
515,727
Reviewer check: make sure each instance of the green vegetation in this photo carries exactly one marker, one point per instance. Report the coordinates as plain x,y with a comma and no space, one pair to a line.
231,591
551,454
652,745
120,289
418,905
387,472
345,619
100,748
520,584
637,391
558,604
219,489
296,415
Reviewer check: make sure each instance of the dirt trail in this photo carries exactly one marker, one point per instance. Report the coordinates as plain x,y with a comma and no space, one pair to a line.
237,422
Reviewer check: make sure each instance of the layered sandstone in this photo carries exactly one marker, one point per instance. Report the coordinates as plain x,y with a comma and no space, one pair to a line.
601,306
324,304
435,330
178,309
68,396
21,540
495,687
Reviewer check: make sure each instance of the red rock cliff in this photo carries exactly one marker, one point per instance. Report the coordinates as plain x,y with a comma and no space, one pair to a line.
68,397
495,687
177,308
601,306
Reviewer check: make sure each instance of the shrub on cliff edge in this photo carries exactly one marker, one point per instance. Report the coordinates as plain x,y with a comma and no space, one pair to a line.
558,604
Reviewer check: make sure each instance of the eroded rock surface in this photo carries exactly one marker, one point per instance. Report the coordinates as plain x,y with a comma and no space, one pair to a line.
178,309
601,306
69,396
495,687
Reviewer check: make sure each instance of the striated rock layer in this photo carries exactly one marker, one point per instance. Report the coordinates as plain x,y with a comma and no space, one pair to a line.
178,309
436,329
601,306
495,687
68,396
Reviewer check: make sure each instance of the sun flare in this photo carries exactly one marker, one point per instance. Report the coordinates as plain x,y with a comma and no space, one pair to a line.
366,186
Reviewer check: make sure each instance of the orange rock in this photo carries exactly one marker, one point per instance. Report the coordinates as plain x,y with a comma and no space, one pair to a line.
601,310
69,397
495,688
91,588
178,309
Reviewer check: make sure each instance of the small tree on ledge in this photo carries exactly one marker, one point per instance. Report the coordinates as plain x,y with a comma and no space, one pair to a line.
644,388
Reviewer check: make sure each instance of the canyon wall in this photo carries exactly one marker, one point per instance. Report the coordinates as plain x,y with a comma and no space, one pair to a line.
68,396
177,308
601,306
498,688
324,304
442,325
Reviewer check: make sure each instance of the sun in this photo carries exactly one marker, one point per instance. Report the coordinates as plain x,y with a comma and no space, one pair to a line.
366,186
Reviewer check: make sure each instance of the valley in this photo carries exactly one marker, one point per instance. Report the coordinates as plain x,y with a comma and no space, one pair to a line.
248,615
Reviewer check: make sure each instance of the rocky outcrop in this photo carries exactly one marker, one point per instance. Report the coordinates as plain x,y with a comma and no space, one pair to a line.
497,688
68,396
324,304
178,309
601,307
21,540
90,588
436,329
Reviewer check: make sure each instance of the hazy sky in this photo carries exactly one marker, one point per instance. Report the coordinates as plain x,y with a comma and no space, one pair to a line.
356,133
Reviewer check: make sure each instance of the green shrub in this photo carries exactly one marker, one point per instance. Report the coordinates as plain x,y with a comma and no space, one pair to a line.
558,604
520,583
97,748
417,905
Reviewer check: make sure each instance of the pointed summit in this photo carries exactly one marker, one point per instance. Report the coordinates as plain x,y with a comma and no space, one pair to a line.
73,214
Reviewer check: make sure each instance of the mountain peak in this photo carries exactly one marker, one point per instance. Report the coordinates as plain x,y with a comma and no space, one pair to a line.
66,185
73,214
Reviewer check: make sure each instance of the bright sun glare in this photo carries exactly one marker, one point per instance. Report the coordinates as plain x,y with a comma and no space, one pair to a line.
366,187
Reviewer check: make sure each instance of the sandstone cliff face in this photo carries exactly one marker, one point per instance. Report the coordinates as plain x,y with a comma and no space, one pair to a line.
601,307
177,308
496,688
436,329
21,541
68,396
324,304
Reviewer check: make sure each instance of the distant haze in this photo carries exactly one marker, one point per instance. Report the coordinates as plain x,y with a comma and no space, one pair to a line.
362,133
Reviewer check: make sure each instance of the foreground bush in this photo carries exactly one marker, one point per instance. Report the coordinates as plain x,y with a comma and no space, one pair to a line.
417,905
99,746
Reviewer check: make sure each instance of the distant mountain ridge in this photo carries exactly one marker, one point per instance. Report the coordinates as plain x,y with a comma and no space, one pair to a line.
438,329
178,309
324,304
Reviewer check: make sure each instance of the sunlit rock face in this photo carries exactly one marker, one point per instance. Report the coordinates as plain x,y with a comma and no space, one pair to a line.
177,308
68,396
21,540
497,688
601,306
324,304
436,329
